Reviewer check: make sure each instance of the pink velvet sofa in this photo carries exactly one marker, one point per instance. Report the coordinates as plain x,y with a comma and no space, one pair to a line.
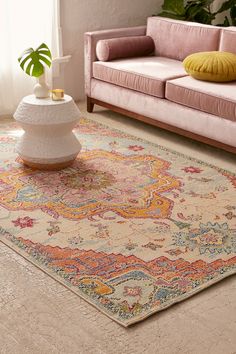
156,89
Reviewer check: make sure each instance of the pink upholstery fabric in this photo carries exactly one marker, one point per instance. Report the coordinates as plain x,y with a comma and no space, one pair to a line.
124,47
147,74
178,39
203,106
228,40
166,111
214,98
90,42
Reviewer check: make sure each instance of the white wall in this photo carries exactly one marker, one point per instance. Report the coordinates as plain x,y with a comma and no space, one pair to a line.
216,6
79,16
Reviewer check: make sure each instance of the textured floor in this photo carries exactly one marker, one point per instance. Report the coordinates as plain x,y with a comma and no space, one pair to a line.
39,315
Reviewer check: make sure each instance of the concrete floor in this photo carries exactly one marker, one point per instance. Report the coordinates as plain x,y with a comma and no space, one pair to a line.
38,315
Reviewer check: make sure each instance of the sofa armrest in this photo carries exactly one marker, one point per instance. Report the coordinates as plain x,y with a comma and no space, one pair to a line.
90,42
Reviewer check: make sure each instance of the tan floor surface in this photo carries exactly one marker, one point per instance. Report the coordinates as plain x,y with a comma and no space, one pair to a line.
38,315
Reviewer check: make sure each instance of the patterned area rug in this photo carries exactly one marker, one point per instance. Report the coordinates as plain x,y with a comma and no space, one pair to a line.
131,227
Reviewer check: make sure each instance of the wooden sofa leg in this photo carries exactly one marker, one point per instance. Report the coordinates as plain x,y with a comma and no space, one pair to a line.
90,104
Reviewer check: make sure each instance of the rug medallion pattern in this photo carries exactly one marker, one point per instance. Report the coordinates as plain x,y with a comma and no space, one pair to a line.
131,227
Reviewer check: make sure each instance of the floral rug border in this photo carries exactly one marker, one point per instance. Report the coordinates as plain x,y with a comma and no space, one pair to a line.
62,280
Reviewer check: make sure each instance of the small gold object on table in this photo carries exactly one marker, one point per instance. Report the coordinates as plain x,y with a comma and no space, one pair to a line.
57,94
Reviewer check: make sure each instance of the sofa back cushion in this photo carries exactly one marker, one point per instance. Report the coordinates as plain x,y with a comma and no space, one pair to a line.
228,40
178,39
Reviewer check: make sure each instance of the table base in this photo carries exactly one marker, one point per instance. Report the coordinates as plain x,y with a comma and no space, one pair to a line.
48,166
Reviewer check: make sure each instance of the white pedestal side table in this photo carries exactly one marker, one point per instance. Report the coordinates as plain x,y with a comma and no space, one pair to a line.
48,141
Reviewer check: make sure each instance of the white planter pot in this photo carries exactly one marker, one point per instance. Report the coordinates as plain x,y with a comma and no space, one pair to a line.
41,89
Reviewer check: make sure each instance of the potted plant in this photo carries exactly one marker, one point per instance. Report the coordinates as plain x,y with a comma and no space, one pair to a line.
33,63
199,11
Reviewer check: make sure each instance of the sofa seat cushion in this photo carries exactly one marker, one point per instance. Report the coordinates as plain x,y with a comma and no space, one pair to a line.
147,74
214,98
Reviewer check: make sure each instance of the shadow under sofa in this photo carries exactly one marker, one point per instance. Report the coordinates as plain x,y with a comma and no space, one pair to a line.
157,90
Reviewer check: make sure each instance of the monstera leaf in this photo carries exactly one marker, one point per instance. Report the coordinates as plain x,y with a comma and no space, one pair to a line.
174,6
199,11
173,9
33,61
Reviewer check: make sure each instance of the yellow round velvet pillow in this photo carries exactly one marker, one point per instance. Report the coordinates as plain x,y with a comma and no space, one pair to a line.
211,66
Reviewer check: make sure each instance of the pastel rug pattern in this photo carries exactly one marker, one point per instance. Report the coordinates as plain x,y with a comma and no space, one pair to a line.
131,227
